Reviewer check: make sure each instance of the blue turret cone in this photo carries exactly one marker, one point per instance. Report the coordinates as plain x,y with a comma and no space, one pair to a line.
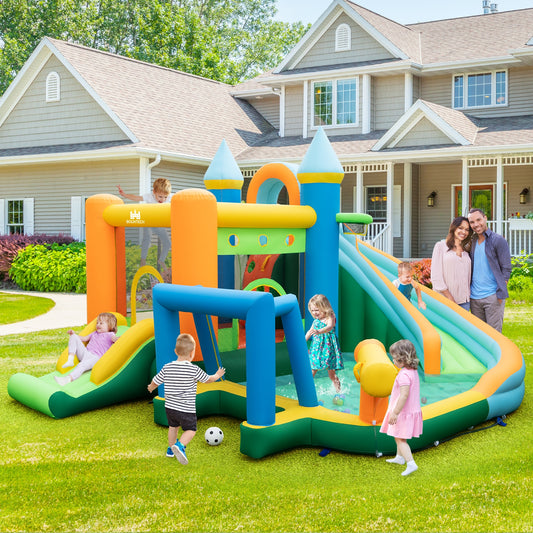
223,166
320,157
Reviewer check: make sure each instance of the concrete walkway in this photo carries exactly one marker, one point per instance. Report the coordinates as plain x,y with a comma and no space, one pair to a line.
70,310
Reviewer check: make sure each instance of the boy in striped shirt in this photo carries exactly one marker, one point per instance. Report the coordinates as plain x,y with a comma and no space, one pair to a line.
180,378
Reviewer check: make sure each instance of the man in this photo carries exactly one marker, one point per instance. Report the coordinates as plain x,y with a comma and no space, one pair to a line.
491,268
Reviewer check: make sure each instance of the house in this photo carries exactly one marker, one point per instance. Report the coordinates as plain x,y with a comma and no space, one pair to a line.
416,114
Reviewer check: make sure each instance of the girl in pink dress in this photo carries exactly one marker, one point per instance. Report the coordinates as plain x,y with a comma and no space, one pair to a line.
403,419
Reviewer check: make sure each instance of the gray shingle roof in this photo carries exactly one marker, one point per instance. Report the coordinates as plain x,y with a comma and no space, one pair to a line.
167,109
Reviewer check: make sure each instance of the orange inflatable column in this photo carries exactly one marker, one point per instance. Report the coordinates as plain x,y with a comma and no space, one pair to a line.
193,219
101,256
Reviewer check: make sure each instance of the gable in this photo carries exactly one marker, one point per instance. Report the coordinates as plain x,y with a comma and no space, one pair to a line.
363,47
423,133
75,118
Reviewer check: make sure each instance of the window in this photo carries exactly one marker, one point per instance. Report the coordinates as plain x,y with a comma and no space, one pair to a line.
15,217
335,102
480,90
343,38
53,87
376,203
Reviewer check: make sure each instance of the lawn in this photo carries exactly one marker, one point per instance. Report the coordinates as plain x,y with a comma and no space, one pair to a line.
106,470
18,307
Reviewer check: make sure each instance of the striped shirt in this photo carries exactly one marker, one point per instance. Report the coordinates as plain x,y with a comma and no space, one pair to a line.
180,379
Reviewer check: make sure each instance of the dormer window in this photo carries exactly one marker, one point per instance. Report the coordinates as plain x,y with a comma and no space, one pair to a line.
343,38
486,89
53,87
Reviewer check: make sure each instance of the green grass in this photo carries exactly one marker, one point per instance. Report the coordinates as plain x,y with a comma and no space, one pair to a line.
106,471
18,307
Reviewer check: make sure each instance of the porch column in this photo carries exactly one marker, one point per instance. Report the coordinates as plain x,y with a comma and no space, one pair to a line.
390,195
466,188
407,207
367,106
499,195
359,189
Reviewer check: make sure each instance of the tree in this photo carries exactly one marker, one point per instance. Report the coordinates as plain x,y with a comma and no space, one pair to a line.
226,40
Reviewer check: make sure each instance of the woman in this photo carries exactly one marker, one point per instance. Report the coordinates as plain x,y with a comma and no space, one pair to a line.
450,264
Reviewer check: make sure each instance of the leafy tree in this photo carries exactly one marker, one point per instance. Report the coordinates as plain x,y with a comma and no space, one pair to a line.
226,40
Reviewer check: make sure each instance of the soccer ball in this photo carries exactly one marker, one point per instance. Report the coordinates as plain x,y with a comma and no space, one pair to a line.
214,436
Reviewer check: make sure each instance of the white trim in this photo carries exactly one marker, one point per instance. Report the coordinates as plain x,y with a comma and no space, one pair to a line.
3,214
334,82
493,103
366,104
407,207
76,217
53,87
343,38
408,92
282,102
28,216
305,104
408,120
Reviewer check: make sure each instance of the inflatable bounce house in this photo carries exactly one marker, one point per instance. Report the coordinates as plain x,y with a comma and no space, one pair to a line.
469,373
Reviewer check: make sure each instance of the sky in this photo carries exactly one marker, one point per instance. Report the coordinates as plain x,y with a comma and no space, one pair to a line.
402,11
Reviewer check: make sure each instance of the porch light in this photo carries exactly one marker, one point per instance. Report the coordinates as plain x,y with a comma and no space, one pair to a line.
523,195
431,199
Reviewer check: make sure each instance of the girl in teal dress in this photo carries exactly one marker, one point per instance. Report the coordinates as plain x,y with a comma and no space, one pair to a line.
324,352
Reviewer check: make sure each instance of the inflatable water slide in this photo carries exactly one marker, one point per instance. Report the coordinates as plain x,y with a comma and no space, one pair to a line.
120,375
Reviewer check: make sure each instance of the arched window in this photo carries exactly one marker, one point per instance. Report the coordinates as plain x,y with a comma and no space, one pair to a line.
53,87
343,38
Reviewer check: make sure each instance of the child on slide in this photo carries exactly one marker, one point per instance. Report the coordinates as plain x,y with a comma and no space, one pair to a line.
98,342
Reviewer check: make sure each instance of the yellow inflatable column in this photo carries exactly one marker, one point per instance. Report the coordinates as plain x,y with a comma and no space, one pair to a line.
376,374
101,256
193,219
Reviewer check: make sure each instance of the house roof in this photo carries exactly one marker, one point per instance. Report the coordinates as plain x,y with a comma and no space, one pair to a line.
483,133
152,101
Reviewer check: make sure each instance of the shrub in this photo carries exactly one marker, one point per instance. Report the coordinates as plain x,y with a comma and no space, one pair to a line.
51,268
522,266
11,244
422,272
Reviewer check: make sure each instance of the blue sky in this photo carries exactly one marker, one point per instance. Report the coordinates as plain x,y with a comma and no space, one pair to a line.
402,11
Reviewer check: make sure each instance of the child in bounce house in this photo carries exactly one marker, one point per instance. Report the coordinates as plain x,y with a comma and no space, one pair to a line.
324,352
180,378
405,283
161,193
403,419
98,342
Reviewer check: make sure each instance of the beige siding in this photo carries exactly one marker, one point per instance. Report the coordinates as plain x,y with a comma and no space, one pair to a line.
293,110
76,118
388,101
438,89
364,48
268,107
424,133
53,185
180,176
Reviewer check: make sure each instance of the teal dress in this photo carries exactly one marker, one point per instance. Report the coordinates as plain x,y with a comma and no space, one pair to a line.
324,351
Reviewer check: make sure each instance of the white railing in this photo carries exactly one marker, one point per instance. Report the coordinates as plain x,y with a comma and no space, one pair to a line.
379,235
518,233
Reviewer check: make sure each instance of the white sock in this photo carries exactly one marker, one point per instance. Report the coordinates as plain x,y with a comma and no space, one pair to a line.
399,460
411,467
70,362
62,380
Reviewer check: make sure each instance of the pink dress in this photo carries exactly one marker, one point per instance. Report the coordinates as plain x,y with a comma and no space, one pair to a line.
409,423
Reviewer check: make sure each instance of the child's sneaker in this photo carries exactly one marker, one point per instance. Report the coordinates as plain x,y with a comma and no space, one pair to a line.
179,453
170,453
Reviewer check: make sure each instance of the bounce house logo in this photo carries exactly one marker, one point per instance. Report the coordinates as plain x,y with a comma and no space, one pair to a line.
135,218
